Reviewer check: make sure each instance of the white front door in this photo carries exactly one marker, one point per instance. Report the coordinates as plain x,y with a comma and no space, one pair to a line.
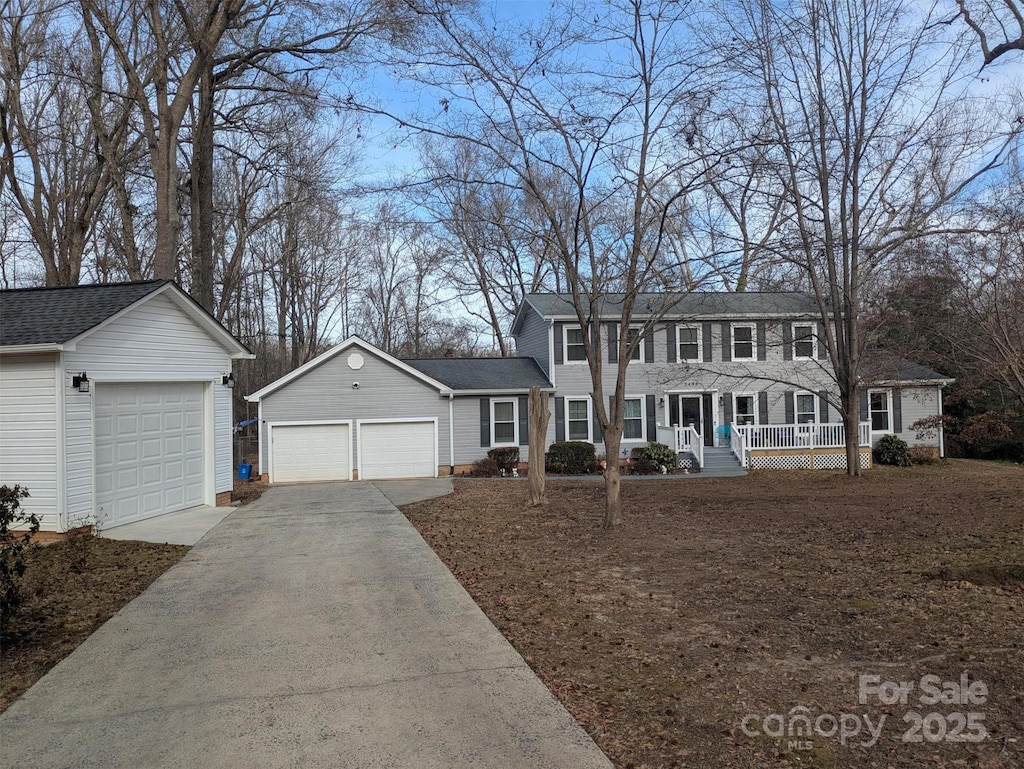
149,449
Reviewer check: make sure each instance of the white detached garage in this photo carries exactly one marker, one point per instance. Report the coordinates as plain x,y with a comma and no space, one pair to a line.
115,402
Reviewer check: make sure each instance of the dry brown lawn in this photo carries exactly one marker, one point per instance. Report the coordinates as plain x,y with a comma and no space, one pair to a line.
722,599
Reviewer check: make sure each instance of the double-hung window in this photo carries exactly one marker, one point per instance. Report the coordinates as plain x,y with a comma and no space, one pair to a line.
575,351
689,342
504,423
742,342
633,337
745,410
878,411
633,421
806,408
577,417
803,341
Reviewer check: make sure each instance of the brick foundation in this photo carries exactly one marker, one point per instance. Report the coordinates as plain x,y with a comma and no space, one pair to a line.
223,499
44,537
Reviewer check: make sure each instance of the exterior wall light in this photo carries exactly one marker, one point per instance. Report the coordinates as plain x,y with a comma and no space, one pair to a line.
80,382
228,380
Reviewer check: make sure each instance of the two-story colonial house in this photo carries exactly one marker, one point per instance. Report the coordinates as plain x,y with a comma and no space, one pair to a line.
746,374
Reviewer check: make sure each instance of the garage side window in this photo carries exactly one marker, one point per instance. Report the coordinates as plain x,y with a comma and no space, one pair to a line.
504,422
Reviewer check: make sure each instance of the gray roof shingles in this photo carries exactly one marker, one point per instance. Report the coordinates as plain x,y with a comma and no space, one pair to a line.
57,315
482,373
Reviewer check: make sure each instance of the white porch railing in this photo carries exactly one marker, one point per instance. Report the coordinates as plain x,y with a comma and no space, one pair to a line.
744,438
683,439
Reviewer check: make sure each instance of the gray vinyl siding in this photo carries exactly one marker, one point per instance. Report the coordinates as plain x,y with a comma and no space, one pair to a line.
154,341
917,403
324,393
532,341
467,429
29,434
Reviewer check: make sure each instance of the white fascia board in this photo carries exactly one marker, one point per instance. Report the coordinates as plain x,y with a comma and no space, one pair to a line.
509,391
906,382
685,318
352,341
23,349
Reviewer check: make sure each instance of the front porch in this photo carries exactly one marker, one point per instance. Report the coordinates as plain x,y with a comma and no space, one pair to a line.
806,446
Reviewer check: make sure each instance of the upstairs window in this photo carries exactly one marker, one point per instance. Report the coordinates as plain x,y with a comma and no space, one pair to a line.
633,337
575,352
689,342
803,341
742,342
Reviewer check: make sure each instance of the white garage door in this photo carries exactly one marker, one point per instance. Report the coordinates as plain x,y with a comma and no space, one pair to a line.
397,450
309,453
149,449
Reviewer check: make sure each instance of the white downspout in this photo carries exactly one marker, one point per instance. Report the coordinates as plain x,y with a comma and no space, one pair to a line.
942,437
451,434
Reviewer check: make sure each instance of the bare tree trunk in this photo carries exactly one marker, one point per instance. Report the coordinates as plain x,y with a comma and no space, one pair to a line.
539,415
202,194
612,476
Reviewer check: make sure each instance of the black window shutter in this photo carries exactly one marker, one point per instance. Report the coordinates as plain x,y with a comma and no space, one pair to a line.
670,335
524,420
762,408
762,344
727,407
787,341
559,419
726,342
652,419
863,405
897,411
790,399
649,346
706,334
822,342
485,422
613,343
559,339
597,436
823,406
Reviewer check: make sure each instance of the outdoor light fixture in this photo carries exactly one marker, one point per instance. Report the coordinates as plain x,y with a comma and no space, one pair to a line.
355,385
228,380
80,382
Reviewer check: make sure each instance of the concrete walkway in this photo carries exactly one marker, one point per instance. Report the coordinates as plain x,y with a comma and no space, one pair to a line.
185,527
312,628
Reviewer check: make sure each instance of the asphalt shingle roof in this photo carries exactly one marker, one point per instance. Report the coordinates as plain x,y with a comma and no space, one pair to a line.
57,315
482,373
695,303
883,366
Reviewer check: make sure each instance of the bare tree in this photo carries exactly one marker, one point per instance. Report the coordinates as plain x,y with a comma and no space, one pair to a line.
876,132
594,147
997,24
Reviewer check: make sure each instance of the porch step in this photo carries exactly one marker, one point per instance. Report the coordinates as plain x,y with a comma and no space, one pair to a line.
720,463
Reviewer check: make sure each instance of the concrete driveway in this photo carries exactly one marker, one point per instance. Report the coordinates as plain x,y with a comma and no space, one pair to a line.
313,628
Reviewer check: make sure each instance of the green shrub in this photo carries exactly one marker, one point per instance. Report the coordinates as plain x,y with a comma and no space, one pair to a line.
660,454
12,559
506,457
571,458
892,450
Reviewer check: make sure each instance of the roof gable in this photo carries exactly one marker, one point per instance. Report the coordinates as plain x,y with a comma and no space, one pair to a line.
352,341
58,317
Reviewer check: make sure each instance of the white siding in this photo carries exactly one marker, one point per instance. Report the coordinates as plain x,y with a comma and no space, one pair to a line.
919,403
153,342
28,432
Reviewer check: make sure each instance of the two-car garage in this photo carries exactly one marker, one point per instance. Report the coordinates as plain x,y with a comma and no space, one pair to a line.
341,450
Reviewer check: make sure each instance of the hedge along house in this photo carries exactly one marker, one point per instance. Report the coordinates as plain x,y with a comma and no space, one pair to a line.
356,412
115,402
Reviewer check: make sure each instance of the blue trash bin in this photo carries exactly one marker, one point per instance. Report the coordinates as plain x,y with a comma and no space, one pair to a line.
244,471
